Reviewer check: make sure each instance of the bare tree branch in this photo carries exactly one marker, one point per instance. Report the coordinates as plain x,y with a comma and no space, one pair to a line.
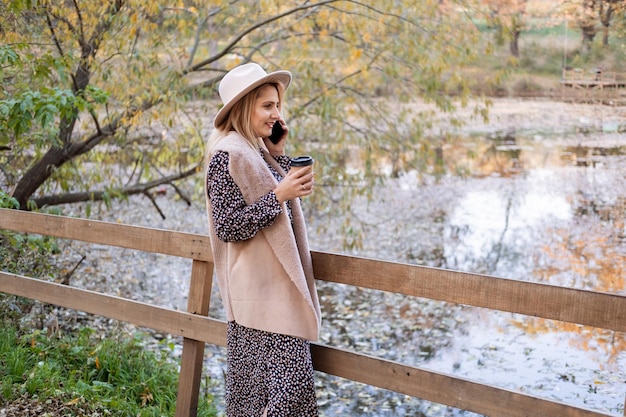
154,203
140,188
68,275
249,30
84,146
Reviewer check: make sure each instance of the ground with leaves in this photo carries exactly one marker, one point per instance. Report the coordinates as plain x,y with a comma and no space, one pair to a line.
29,407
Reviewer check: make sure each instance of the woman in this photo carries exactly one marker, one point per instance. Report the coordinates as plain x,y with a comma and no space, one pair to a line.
261,253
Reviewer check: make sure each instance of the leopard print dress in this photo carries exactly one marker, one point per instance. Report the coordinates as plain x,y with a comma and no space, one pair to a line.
268,374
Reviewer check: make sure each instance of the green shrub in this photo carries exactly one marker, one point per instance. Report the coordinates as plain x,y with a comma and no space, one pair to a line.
526,86
6,201
23,254
116,376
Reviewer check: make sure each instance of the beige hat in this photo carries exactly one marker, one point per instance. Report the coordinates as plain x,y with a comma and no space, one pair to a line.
240,81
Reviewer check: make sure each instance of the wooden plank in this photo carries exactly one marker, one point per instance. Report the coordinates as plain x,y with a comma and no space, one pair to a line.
199,298
145,315
577,306
186,245
193,350
533,299
440,388
382,373
591,84
377,372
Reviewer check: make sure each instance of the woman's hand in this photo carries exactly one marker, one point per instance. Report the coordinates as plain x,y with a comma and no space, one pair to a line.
297,183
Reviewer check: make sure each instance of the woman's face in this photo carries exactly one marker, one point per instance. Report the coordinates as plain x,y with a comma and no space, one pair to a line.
266,111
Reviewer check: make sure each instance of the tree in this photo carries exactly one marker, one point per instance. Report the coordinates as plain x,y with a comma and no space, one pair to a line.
591,15
607,11
106,99
509,18
512,17
618,21
587,21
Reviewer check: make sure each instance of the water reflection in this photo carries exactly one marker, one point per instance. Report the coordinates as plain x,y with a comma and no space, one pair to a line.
535,208
490,224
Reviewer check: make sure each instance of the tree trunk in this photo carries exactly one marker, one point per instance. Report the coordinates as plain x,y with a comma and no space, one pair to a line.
56,156
589,33
38,174
587,25
605,18
514,44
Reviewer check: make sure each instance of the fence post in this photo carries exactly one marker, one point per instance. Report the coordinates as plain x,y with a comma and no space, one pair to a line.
193,350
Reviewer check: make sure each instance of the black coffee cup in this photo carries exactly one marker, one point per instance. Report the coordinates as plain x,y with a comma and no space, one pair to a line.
299,162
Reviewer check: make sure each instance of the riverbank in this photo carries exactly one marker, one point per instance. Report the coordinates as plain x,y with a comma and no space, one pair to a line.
447,338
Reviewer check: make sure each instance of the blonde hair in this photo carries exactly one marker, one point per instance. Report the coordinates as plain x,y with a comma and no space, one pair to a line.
239,119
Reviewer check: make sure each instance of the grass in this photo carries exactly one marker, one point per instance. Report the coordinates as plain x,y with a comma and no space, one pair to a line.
90,376
81,373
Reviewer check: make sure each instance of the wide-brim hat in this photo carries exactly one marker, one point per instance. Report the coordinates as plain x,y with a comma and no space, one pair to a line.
240,81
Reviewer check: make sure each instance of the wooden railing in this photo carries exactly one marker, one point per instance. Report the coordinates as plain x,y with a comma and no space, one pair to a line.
540,300
596,78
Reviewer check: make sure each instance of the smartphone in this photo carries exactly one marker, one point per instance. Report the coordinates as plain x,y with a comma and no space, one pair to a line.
277,133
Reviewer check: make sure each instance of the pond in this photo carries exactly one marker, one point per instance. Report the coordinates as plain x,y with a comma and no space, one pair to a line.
546,202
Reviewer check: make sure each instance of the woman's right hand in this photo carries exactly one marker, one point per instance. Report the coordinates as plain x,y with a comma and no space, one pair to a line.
297,183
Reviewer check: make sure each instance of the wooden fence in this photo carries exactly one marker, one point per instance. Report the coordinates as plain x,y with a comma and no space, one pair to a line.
540,300
596,78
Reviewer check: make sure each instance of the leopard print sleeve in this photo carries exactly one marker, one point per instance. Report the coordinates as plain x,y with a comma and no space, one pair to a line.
233,219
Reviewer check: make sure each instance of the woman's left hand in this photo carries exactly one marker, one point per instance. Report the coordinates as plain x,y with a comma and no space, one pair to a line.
297,183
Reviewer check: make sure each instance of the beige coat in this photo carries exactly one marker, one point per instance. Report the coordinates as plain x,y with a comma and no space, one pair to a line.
266,282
